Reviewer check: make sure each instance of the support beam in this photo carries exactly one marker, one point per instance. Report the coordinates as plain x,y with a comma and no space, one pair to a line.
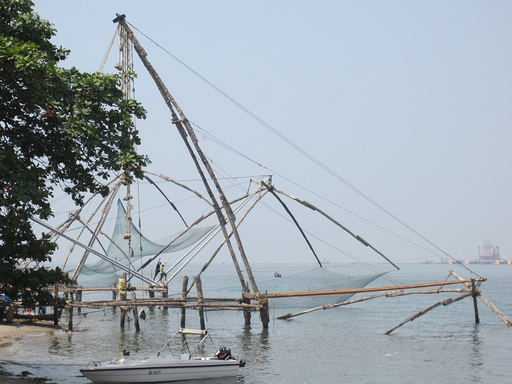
429,308
361,290
496,310
474,294
115,263
192,143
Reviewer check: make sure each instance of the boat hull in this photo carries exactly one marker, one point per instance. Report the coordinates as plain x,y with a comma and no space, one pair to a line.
150,370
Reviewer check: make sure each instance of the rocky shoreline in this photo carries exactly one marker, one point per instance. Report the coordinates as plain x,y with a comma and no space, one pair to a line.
6,378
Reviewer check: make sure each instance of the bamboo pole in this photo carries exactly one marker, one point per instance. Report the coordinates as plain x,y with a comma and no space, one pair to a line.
97,230
270,188
219,247
366,298
172,304
360,290
458,277
186,131
357,237
486,301
76,216
113,288
429,308
170,301
496,310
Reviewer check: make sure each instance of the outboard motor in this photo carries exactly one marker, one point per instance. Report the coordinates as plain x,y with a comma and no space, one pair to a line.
224,354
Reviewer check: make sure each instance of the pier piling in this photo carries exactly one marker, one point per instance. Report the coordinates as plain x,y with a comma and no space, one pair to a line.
184,297
123,316
474,294
135,313
70,315
55,307
200,301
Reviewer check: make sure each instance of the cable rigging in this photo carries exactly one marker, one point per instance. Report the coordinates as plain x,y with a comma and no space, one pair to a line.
299,149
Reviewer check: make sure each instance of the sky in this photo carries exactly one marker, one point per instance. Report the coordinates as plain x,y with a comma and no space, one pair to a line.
396,115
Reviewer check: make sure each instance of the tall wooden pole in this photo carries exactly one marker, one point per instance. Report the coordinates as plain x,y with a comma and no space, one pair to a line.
185,129
474,294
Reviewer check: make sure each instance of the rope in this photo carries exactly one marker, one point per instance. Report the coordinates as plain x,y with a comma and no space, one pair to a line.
302,151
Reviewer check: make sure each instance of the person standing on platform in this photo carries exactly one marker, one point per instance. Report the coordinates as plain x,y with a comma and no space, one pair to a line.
163,275
157,269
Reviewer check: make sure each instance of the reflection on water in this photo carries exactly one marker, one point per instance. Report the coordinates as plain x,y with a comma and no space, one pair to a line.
255,344
475,357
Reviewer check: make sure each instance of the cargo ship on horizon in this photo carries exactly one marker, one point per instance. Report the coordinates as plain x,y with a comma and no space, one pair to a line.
488,253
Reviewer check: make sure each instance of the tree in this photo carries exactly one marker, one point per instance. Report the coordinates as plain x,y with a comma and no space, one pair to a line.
58,128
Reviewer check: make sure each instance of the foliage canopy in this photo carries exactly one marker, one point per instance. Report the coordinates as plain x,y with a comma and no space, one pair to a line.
59,128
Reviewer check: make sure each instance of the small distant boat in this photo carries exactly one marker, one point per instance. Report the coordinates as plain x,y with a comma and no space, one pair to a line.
166,368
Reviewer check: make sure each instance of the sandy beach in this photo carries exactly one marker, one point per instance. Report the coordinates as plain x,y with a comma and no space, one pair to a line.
11,332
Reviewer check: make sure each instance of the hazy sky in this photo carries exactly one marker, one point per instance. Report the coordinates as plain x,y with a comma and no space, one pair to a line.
407,101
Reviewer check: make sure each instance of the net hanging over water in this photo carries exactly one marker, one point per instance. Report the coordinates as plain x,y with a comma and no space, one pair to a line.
142,246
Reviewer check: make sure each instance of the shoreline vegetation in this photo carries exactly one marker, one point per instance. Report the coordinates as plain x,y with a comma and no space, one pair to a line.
9,333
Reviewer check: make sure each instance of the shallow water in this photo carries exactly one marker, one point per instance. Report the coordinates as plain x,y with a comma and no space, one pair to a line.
346,344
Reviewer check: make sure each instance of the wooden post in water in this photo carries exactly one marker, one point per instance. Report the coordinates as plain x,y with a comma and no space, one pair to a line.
165,294
247,311
135,313
496,310
79,299
122,288
184,297
474,294
264,316
56,307
123,316
200,301
114,296
70,315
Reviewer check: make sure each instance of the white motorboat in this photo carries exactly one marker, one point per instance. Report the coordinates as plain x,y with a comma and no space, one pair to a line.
165,367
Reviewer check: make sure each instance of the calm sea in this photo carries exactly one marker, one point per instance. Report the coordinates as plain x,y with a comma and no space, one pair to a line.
342,345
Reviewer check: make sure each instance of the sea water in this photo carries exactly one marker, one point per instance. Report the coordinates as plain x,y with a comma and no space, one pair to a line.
341,345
